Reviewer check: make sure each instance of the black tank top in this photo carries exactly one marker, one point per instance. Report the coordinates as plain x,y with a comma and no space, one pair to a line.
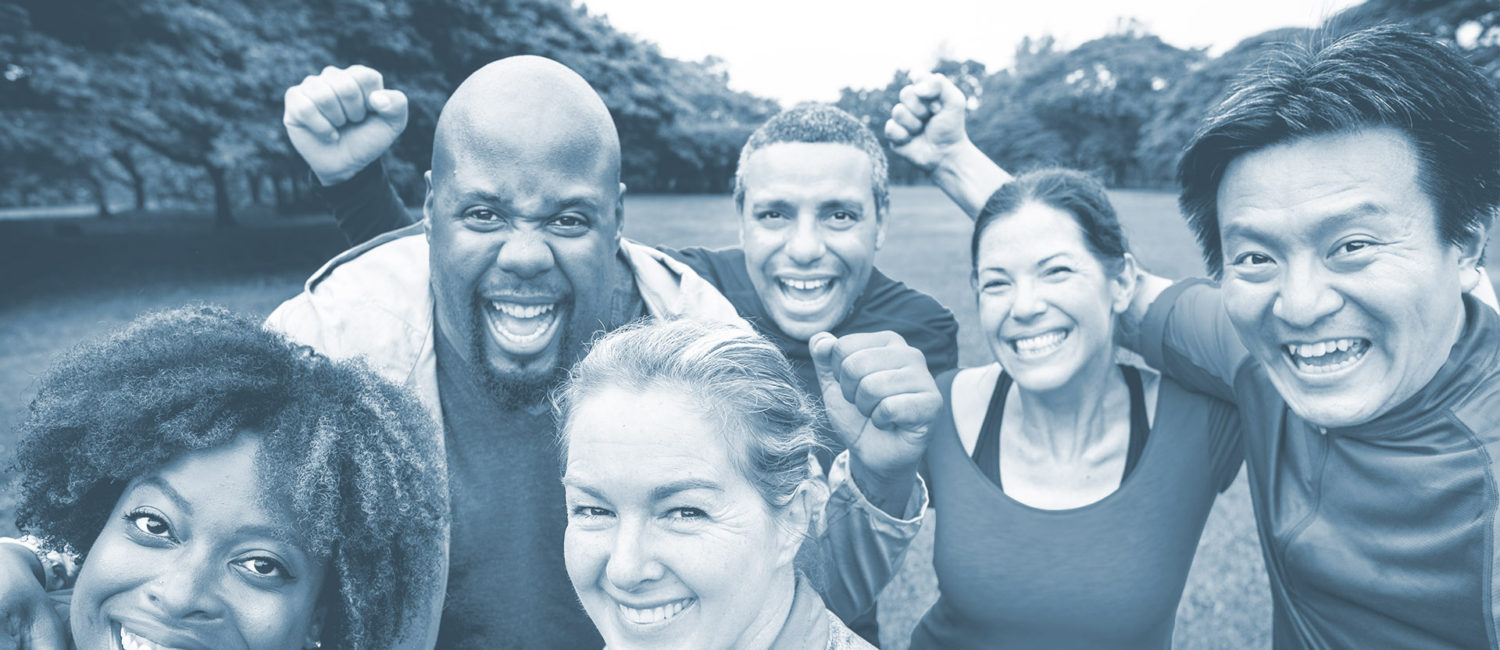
987,449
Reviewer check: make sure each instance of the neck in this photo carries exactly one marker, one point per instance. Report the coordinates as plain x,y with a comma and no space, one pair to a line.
767,625
1073,418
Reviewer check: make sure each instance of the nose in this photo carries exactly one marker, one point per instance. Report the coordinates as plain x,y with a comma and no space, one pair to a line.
1028,303
186,590
632,560
526,254
1304,296
806,244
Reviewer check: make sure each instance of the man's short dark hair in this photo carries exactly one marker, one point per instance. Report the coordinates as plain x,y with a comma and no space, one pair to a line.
1384,76
818,123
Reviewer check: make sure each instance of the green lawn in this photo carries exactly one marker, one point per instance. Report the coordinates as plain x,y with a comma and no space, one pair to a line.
78,278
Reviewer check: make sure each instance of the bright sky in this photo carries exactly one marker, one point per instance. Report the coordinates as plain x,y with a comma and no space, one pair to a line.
800,50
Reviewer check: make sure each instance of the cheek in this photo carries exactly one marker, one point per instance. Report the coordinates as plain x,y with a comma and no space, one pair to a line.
758,243
855,248
1247,304
585,554
112,568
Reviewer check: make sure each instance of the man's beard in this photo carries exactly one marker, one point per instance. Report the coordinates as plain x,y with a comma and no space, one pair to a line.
525,388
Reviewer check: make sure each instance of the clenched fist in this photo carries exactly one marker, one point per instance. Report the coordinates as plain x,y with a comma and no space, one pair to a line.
927,124
879,397
343,119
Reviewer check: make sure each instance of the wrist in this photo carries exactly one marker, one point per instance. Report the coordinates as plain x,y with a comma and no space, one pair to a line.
889,489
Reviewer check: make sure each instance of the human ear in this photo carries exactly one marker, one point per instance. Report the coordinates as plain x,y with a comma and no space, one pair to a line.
427,206
1122,286
1470,251
620,212
801,518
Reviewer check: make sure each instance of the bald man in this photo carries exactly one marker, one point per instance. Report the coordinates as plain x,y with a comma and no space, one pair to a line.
518,262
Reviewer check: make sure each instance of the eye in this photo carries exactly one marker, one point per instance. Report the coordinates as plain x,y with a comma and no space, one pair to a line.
150,523
687,512
769,215
1252,259
570,221
590,512
994,284
1057,271
483,215
1354,246
262,567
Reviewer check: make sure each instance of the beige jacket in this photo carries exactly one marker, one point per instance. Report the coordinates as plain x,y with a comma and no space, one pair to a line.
375,302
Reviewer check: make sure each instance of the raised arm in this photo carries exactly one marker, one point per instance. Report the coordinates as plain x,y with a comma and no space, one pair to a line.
927,128
341,122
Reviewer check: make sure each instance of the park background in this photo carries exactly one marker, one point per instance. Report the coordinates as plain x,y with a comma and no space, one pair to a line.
143,166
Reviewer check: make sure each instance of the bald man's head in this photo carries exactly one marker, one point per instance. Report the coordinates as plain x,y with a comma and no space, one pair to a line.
526,105
524,206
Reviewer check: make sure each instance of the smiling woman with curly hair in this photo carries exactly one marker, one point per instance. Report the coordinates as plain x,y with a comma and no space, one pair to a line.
228,489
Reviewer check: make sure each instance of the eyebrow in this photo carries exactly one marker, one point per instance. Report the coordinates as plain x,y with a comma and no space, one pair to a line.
661,492
1048,259
1324,221
493,199
161,486
573,483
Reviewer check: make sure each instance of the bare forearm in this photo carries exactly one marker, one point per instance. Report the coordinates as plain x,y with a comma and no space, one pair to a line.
969,177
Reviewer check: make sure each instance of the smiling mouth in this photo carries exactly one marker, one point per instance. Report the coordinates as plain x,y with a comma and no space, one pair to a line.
1041,345
806,291
128,640
522,328
658,615
1327,356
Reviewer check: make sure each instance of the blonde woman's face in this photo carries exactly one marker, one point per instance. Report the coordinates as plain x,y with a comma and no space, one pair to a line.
668,545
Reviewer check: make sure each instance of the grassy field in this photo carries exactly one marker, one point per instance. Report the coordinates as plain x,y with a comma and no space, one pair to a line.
67,280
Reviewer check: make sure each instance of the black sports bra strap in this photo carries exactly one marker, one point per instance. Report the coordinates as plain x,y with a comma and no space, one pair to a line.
1140,426
987,448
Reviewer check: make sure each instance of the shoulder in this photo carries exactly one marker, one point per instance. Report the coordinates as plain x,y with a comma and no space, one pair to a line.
893,300
400,254
373,300
840,637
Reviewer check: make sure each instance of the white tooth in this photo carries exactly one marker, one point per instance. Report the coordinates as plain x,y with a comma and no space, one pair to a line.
1344,344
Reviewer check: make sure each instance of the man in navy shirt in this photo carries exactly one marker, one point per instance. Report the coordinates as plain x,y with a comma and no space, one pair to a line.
812,199
811,191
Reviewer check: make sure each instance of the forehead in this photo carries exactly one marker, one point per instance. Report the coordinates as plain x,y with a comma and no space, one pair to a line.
795,171
1032,233
1327,180
222,482
509,163
633,438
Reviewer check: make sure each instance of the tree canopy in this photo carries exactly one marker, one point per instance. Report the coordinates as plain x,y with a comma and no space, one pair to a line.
182,98
178,101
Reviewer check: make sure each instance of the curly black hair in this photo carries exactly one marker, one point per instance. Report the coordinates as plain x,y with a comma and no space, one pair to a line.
356,457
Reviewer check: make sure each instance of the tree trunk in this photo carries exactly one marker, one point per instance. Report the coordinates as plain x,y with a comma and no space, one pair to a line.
276,186
255,181
137,182
223,214
101,197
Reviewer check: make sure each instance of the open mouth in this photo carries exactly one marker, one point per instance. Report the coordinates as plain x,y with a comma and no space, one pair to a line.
1041,345
127,640
654,616
1328,356
521,328
807,292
